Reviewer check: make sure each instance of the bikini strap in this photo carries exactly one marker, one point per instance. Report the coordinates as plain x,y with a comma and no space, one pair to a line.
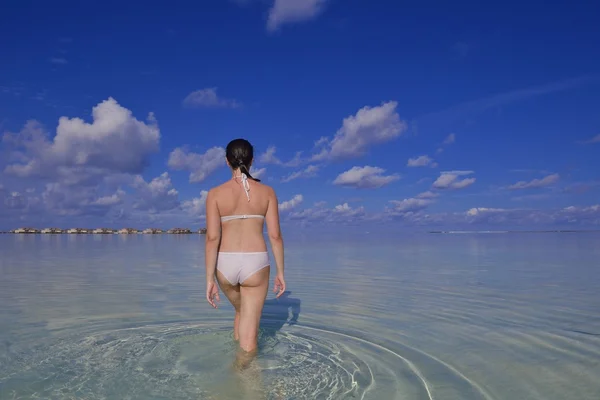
245,185
240,216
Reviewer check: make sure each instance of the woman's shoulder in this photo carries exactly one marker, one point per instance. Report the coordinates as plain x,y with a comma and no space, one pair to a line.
265,187
215,190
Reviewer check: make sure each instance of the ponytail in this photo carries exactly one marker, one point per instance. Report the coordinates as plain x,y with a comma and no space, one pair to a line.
244,170
239,154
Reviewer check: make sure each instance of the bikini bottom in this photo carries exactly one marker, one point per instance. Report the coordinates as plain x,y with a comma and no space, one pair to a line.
238,266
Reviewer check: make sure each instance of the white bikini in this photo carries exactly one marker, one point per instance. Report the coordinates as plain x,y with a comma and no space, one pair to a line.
239,216
238,266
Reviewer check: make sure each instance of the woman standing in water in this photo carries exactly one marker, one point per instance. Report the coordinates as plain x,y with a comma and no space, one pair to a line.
236,252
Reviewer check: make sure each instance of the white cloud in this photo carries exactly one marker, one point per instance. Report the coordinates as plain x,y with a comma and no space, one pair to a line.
421,161
577,214
308,172
369,126
450,180
257,173
112,200
365,177
427,195
411,204
483,210
157,195
408,207
292,203
485,218
323,140
451,138
291,11
269,157
536,183
114,142
200,166
347,211
316,213
208,98
68,200
501,216
196,206
498,216
12,203
572,215
58,200
341,213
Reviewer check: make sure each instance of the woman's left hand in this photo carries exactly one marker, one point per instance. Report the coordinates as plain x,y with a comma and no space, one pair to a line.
212,294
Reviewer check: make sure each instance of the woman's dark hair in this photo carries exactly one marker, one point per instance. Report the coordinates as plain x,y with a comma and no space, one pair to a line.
239,153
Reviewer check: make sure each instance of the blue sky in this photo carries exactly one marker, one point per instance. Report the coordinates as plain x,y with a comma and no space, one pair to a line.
374,113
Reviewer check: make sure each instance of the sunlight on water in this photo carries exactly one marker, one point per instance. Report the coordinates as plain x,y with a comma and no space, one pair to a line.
419,317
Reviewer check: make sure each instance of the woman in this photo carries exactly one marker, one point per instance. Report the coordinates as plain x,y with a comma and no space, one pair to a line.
236,252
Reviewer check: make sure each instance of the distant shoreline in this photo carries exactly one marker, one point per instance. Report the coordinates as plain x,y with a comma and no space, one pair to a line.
103,231
202,231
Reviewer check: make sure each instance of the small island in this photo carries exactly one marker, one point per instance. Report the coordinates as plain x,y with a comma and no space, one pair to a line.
105,231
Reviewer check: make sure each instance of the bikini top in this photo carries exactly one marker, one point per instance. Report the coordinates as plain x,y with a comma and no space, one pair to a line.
240,216
246,187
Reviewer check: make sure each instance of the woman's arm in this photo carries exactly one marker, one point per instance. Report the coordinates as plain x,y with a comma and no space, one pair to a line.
274,232
213,236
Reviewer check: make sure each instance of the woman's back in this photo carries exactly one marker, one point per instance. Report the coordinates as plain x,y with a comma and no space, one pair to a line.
242,214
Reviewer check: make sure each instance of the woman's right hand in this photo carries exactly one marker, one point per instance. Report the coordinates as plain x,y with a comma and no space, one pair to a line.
212,293
279,286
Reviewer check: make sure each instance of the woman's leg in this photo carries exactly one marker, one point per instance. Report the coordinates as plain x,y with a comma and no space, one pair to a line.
233,295
253,294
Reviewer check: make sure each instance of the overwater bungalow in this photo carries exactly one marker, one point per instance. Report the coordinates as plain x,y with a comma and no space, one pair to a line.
52,231
152,231
179,231
103,231
128,231
79,231
26,230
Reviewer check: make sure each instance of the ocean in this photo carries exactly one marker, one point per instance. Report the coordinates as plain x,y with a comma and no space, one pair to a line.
408,316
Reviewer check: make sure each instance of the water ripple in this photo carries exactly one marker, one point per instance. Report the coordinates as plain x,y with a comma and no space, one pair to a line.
178,360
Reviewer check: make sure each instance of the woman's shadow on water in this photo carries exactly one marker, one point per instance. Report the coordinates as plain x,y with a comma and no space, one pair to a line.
279,312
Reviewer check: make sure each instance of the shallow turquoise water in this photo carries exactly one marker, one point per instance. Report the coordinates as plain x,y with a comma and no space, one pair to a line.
473,316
